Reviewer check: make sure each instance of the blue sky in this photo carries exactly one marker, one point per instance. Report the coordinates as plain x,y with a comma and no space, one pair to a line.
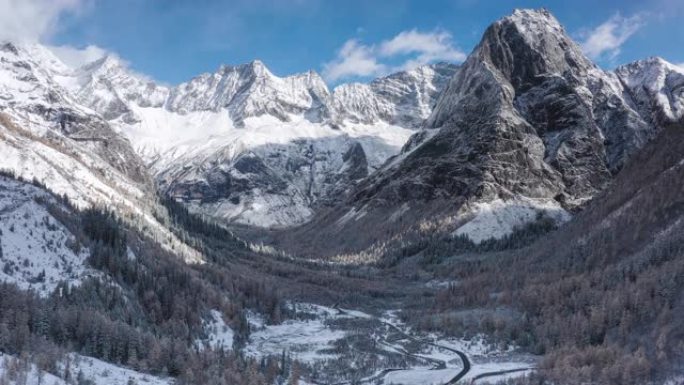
174,40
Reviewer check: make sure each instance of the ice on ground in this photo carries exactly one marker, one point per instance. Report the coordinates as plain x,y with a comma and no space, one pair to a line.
440,284
305,340
421,376
325,311
475,347
30,375
499,218
484,357
497,379
219,334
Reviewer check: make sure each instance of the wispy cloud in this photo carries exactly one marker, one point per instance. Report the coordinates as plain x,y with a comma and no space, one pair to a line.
33,20
37,20
411,47
428,47
608,38
353,59
77,57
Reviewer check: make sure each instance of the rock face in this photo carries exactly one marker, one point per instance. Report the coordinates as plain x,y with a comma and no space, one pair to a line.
527,115
527,124
404,99
657,89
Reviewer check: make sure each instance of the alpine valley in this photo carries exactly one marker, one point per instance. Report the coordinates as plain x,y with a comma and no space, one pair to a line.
516,218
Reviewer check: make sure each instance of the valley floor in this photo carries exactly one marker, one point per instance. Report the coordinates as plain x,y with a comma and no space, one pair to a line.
329,342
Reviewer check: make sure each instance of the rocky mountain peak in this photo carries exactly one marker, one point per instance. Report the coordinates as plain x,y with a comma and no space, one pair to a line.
9,47
530,45
657,88
405,98
255,69
526,123
103,64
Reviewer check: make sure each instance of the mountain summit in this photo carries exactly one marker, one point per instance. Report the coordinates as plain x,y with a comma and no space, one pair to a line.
527,125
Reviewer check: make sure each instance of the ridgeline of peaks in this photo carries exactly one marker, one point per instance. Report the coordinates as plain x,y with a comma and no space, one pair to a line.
197,137
251,90
527,123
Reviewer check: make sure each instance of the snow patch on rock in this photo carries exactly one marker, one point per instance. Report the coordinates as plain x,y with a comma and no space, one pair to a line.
498,218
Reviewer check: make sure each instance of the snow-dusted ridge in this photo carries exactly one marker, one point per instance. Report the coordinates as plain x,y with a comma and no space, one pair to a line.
36,250
297,135
48,136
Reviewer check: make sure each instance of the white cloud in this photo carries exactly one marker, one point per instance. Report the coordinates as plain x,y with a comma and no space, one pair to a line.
37,20
436,44
608,37
413,48
75,57
33,20
353,59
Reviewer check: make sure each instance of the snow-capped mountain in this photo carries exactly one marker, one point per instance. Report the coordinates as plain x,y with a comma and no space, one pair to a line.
405,98
253,148
107,86
48,136
657,88
251,90
527,124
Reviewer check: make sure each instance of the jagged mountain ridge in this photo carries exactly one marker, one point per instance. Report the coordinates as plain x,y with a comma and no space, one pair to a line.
528,124
294,133
40,118
196,137
528,120
251,90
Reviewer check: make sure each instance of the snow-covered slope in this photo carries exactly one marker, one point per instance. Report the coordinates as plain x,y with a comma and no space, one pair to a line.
48,136
250,147
36,250
19,371
404,98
